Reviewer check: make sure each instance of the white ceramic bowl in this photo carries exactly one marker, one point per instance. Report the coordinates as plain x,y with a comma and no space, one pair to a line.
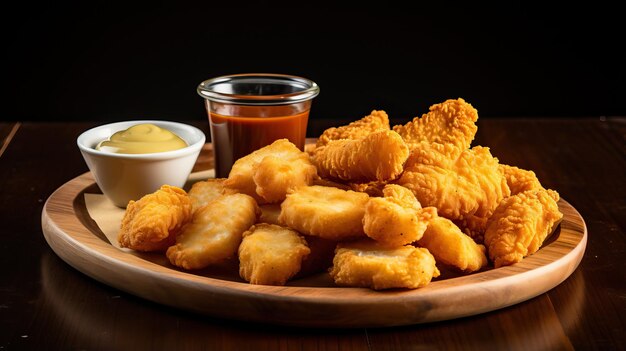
125,177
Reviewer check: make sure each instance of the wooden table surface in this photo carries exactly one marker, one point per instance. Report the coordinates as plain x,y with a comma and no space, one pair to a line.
47,304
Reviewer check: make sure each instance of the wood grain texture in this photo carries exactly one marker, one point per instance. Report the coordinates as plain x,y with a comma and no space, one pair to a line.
311,301
7,131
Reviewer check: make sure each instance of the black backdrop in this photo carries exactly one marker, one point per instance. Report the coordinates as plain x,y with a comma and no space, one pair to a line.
97,61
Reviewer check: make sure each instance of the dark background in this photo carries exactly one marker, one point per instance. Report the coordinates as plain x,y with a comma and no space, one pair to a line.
98,61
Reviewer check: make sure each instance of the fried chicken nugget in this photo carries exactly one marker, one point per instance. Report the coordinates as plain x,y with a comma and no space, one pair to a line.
204,191
270,254
365,263
327,212
520,180
376,156
449,245
375,121
214,233
274,176
152,222
464,185
268,173
520,224
450,122
397,218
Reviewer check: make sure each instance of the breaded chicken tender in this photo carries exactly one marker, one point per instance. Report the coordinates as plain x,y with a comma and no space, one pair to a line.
327,212
464,185
364,263
449,245
214,233
396,219
520,224
152,222
268,173
450,122
376,156
375,121
202,192
270,254
520,180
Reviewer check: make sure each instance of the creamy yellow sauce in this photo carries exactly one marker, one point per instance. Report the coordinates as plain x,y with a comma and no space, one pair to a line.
142,139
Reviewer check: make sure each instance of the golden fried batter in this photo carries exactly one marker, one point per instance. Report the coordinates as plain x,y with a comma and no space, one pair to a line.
202,192
270,254
376,156
472,225
520,180
269,213
397,218
152,222
214,233
464,185
374,188
401,196
364,263
327,212
449,122
268,173
276,175
450,246
375,121
520,224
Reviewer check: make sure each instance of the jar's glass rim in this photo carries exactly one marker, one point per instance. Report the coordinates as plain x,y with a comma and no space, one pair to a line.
220,89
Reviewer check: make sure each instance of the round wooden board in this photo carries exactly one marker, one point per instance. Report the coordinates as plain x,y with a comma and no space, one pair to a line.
311,301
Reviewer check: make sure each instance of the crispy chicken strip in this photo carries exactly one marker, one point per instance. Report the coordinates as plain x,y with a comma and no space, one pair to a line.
377,120
152,222
327,212
267,174
364,263
376,156
449,245
520,180
464,185
520,224
271,254
396,219
214,233
450,122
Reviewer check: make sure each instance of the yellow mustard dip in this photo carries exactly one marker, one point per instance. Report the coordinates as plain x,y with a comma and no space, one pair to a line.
142,139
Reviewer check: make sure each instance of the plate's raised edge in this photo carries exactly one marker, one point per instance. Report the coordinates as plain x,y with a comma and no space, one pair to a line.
309,306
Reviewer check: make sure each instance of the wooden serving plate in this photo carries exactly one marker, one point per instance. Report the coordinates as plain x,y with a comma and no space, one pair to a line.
311,301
